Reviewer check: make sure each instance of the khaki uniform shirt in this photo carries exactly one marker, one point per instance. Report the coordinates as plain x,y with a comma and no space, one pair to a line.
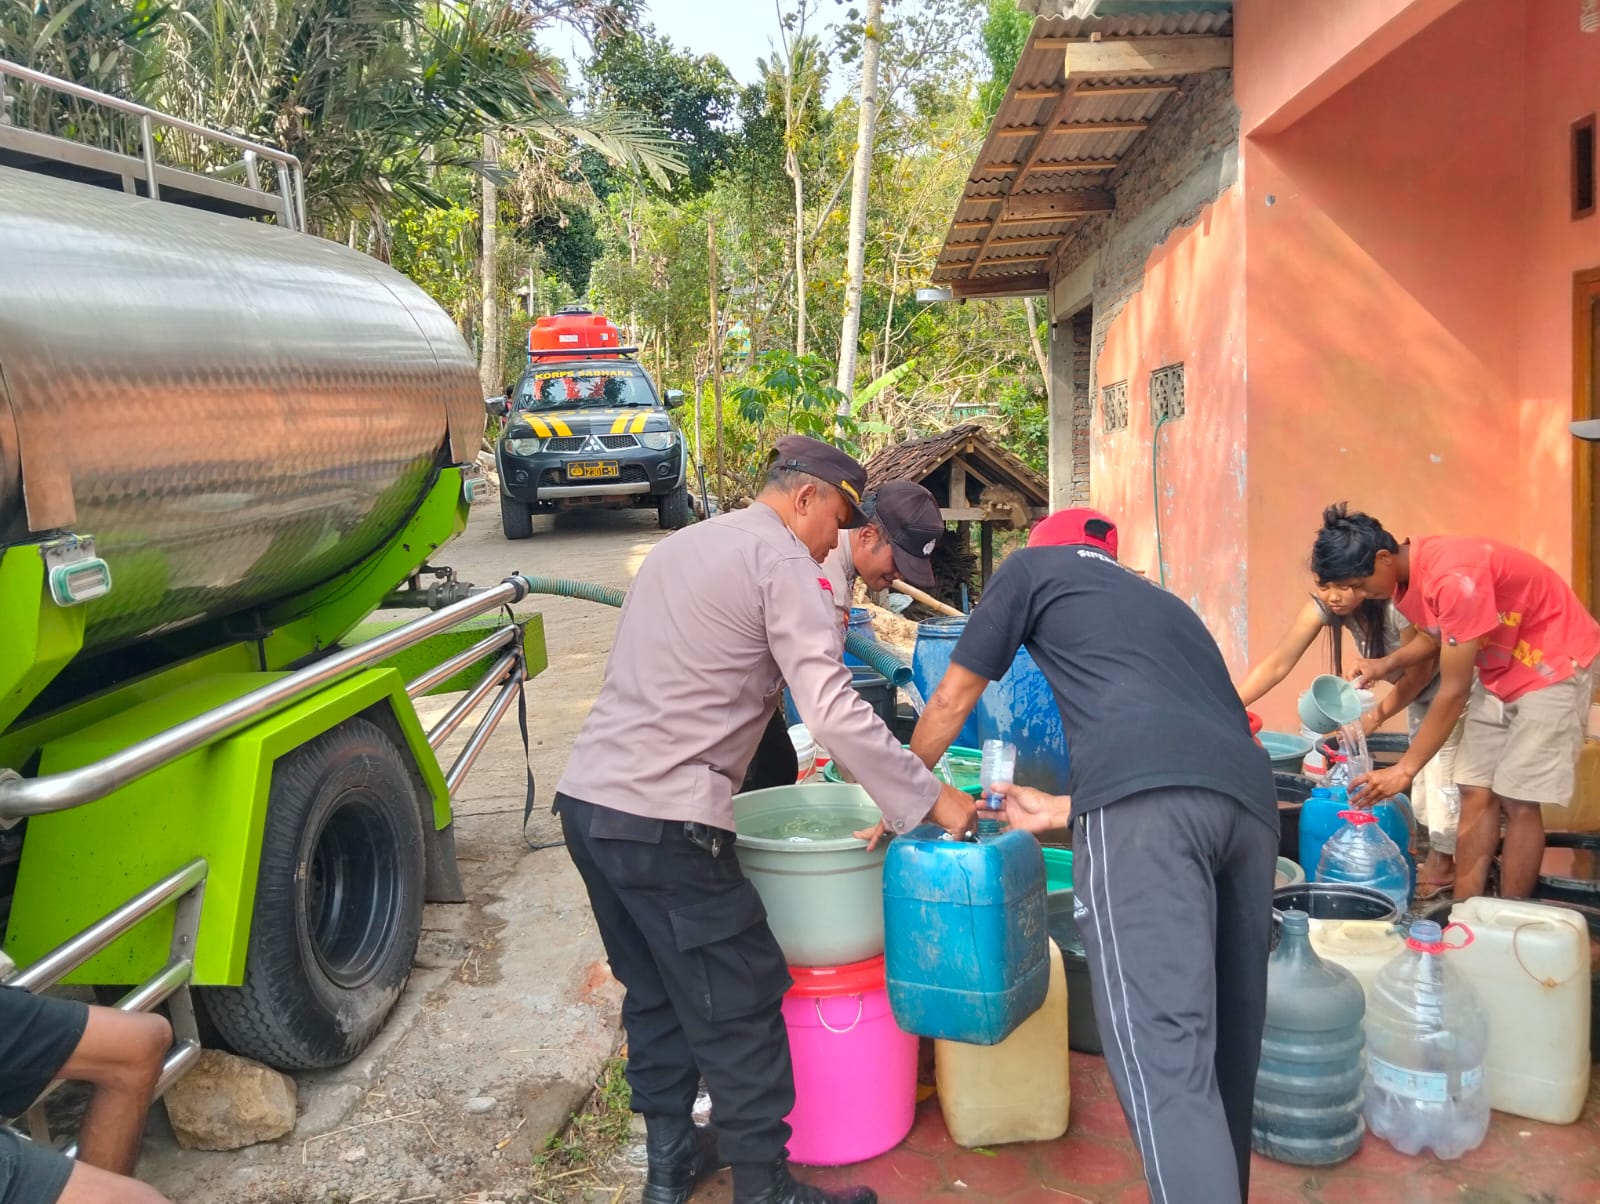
720,616
840,570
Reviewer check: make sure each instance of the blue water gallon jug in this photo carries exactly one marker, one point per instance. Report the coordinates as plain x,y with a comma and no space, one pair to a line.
966,947
861,625
1021,708
1361,854
936,640
1319,819
1308,1087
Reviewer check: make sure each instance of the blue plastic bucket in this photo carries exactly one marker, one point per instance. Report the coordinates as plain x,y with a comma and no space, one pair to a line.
1021,708
936,640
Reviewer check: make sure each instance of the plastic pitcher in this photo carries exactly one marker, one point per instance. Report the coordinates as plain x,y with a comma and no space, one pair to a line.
1427,1037
1359,854
1018,1090
1308,1088
964,933
1530,967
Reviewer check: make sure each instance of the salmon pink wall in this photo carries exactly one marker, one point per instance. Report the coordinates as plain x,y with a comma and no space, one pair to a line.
1563,84
1291,55
1385,251
1189,310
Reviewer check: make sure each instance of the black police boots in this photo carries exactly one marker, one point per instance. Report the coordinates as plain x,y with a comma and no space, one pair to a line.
771,1183
681,1155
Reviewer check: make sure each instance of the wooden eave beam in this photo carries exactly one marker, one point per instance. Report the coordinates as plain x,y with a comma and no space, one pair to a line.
1149,56
1002,286
1035,153
1043,206
1072,127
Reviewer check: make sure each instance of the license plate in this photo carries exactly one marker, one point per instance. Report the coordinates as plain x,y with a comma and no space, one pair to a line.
589,470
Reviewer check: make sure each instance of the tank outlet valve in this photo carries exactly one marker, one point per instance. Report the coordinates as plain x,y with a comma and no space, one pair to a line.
74,573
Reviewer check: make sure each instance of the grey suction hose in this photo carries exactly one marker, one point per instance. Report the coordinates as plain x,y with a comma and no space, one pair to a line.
869,652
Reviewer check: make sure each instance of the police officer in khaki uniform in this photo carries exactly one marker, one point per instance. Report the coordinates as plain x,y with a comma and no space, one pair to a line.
903,527
718,617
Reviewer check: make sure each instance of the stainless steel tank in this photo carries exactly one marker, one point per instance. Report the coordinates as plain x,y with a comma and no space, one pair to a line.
235,412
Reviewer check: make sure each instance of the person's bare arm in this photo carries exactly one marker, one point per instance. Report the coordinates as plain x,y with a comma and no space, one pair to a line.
1455,686
1278,663
957,693
1419,650
1412,682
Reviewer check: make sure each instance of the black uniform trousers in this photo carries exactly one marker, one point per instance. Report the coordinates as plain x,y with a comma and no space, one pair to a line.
688,939
1172,892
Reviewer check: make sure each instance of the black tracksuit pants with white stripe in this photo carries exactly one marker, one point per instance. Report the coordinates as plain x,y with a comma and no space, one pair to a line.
1173,898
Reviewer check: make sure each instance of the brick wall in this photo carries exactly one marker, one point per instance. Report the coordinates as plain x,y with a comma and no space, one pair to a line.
1183,163
1081,325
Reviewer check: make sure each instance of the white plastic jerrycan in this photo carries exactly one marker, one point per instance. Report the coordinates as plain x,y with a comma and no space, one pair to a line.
1362,947
1530,967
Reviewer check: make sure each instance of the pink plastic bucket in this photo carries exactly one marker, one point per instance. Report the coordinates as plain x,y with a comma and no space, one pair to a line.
855,1072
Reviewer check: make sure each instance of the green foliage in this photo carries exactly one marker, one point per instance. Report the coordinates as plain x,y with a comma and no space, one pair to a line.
1004,34
691,98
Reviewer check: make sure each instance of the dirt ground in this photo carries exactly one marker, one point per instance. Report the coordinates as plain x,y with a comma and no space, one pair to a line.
511,1012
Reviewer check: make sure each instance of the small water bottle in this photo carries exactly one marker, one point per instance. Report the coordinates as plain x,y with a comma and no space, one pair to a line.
999,766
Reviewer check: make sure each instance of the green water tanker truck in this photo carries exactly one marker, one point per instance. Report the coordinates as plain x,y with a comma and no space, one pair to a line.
225,443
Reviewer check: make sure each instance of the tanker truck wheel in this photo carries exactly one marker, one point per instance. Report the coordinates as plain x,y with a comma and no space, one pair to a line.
516,518
338,906
673,512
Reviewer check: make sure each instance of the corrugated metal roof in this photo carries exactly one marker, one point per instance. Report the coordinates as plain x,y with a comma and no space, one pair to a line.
1048,152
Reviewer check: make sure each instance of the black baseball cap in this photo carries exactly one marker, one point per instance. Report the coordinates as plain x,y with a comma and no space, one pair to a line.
910,515
827,463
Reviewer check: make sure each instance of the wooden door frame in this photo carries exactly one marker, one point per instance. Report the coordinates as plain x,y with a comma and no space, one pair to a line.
1585,295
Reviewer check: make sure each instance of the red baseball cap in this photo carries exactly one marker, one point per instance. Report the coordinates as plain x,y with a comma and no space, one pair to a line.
1077,525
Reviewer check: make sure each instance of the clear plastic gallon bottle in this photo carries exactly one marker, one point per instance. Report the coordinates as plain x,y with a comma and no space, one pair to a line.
1427,1039
1359,854
1308,1088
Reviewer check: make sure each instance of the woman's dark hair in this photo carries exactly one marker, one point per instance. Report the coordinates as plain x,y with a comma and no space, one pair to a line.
1368,623
1347,545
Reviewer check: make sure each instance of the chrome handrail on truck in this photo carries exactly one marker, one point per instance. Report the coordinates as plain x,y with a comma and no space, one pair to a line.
291,183
21,797
185,888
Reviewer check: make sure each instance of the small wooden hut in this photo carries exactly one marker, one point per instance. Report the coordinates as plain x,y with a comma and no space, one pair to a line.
974,480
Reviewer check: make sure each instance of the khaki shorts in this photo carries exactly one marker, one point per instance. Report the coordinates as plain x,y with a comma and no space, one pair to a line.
1527,750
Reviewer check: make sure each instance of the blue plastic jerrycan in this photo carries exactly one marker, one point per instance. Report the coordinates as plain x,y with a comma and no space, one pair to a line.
1319,819
966,949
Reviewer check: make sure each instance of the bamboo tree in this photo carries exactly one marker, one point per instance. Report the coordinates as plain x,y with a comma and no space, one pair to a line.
489,364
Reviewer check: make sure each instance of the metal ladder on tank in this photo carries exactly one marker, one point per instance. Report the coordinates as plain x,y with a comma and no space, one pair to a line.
237,189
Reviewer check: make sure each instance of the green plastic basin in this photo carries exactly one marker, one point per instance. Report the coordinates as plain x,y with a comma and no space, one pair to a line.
965,766
1287,750
1057,869
822,889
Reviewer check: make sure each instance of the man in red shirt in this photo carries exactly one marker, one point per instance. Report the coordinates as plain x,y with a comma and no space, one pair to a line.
1478,602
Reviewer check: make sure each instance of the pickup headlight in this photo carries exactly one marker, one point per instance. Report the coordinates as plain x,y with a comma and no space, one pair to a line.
657,440
524,447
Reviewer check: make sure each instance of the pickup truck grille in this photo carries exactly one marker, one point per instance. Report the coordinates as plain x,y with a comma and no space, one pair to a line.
567,443
618,442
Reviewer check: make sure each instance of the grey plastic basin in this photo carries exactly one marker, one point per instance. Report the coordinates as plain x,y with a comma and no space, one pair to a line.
824,897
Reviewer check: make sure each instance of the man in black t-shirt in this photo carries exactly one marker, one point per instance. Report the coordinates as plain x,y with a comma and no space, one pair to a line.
1175,834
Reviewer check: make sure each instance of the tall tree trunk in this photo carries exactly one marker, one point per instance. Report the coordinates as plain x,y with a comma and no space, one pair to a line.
1039,356
792,165
489,366
716,345
861,178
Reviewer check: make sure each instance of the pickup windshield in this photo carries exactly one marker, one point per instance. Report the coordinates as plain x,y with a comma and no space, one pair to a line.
570,386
